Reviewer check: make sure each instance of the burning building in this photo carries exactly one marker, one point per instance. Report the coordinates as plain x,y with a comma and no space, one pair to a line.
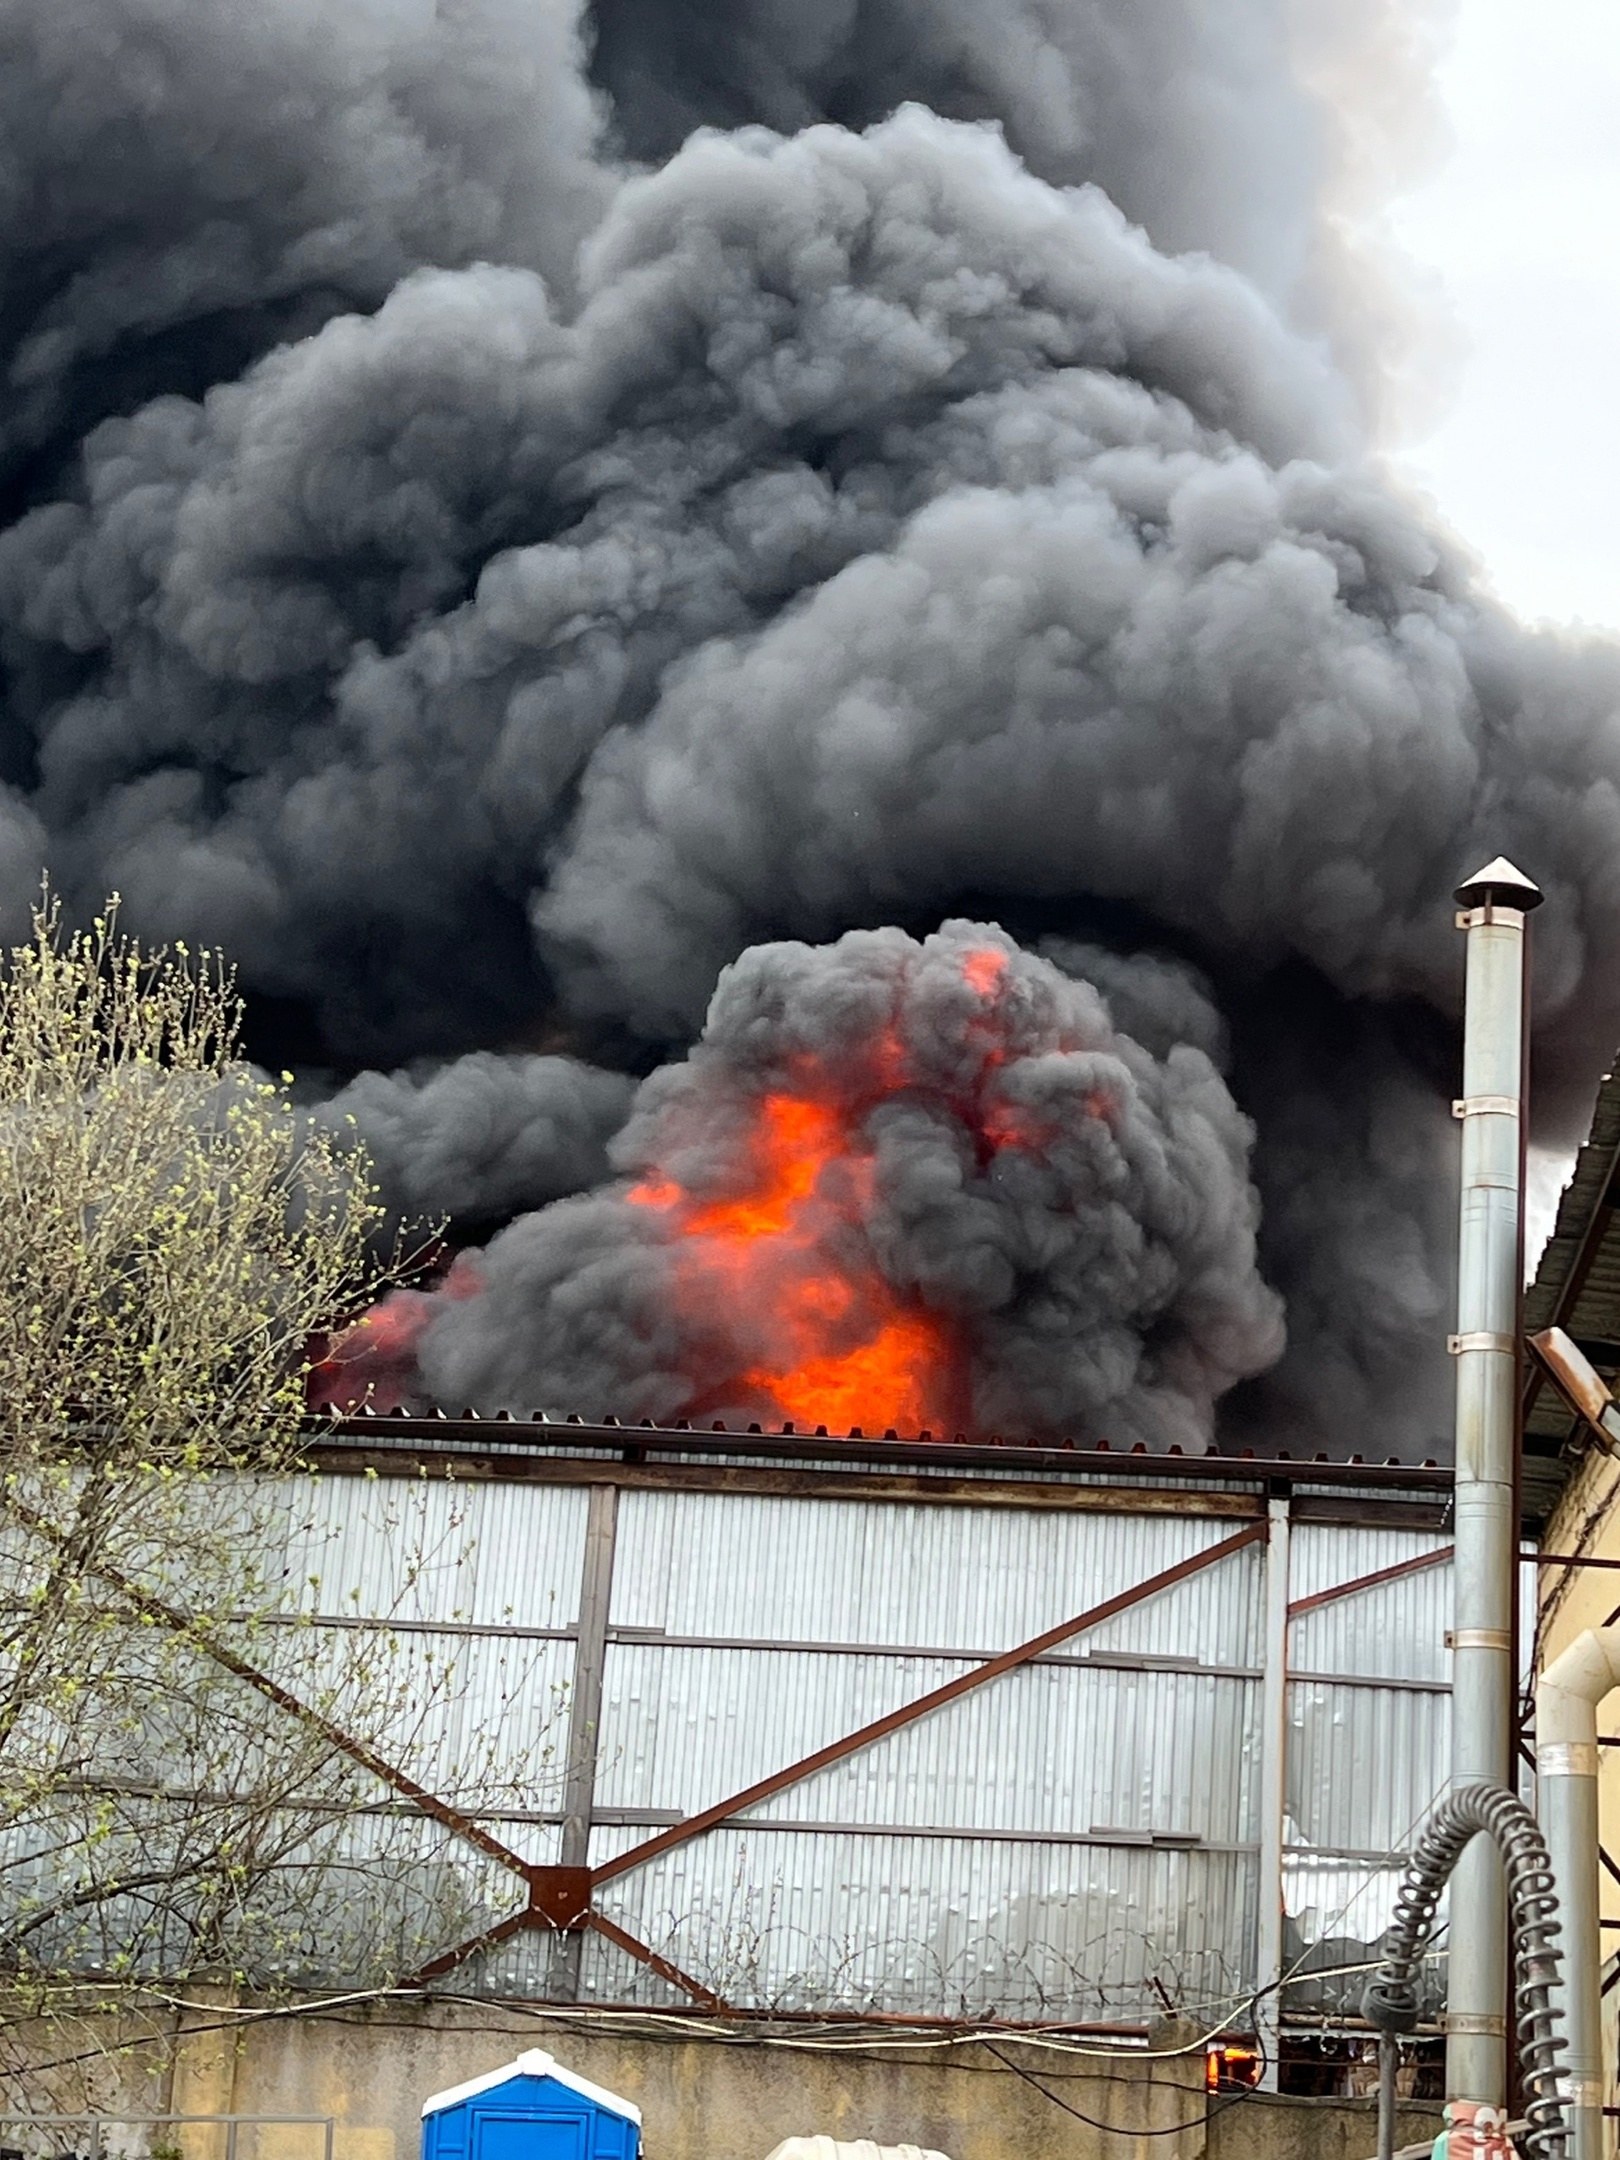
917,1185
512,512
777,640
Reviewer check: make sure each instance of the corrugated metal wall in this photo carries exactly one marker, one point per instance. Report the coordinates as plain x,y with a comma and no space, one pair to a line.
1079,1839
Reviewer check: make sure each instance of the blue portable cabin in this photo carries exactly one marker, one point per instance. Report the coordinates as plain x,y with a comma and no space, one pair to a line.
533,2109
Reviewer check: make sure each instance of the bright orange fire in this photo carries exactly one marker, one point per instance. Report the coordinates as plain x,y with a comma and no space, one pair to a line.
843,1347
789,1314
983,970
373,1363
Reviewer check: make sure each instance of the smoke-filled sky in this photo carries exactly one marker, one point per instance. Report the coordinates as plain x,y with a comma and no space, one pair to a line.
511,513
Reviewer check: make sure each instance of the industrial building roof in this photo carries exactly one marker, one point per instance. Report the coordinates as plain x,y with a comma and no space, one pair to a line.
1576,1288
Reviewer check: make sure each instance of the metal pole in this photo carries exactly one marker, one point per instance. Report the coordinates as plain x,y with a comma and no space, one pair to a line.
1493,905
585,1718
1268,1961
1389,2063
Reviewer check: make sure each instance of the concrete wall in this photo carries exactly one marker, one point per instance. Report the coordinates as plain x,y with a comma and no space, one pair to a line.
706,2099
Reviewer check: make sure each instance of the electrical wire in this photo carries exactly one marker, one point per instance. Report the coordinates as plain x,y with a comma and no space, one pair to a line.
1180,2129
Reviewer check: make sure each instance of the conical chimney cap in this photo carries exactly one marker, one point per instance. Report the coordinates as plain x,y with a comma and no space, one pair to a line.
1500,880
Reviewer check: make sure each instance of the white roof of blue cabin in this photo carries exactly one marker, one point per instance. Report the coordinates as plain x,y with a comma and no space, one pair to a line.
533,2063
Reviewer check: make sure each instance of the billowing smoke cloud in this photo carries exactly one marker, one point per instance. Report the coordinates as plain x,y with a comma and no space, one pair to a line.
186,187
488,638
485,1136
1264,134
930,1176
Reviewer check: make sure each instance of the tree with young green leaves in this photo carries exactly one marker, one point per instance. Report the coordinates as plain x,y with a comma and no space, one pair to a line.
174,1800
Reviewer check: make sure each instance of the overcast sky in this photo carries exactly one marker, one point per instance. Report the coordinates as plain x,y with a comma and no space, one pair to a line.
1522,226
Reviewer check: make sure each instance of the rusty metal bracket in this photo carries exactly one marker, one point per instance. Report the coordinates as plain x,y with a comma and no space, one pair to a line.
560,1897
1580,1386
1582,1260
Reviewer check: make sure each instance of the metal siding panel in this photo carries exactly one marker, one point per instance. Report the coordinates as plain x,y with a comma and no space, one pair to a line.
1023,1926
1337,1913
1395,1630
1365,1765
1043,1748
939,1577
428,1549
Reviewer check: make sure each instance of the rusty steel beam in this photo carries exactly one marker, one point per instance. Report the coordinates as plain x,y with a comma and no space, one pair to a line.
1331,1596
615,1934
448,1960
1359,1508
880,1728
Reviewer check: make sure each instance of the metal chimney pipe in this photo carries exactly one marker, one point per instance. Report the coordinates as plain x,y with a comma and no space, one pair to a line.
1493,905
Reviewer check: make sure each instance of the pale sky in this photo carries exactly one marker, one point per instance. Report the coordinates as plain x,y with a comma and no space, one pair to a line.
1522,228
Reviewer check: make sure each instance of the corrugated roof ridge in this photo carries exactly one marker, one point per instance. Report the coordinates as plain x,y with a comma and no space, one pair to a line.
1594,1165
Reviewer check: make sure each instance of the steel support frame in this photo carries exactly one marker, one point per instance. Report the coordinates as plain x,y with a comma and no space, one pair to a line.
734,1804
160,1612
1268,1960
593,1634
585,1718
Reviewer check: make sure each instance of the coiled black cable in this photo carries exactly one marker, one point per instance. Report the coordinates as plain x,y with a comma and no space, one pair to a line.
1390,2000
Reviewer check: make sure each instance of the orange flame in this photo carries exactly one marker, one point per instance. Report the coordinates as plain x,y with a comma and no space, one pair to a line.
840,1345
777,1280
982,971
372,1363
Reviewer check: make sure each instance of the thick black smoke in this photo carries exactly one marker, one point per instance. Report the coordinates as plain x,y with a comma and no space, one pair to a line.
487,637
1264,134
1075,1211
485,1136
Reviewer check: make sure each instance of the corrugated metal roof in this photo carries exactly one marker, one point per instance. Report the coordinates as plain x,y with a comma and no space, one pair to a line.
1577,1288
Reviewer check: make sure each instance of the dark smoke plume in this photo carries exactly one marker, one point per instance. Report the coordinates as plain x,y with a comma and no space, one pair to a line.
488,634
484,1136
992,1155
